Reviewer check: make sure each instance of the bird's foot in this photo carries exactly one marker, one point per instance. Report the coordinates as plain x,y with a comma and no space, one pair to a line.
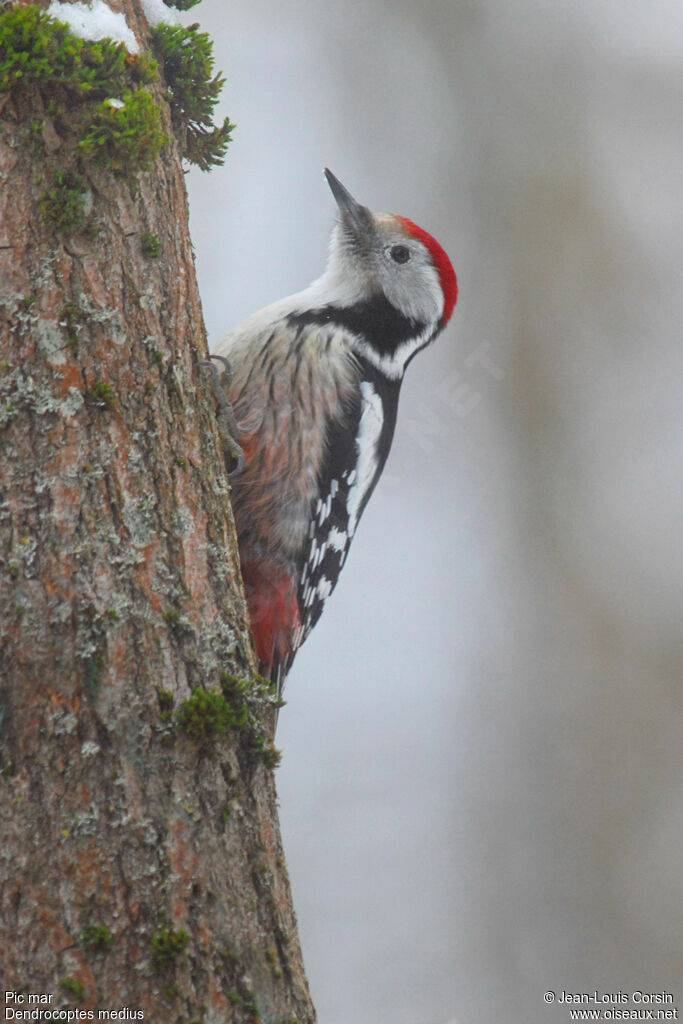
227,424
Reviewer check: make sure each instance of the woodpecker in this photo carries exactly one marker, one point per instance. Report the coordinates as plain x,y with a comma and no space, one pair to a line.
314,382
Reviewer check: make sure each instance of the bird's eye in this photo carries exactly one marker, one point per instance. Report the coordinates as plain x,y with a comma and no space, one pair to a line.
400,253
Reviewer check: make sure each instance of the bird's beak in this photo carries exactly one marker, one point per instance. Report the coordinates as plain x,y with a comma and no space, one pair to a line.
355,217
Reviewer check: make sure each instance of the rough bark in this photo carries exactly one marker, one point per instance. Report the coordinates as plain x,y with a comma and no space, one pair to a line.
119,580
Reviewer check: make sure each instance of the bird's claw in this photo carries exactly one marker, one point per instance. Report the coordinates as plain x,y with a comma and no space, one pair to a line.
238,455
226,375
227,425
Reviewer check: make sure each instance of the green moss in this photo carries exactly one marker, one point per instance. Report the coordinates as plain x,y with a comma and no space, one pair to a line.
226,955
269,754
186,59
62,205
171,615
260,870
166,702
97,938
182,5
126,139
36,49
142,68
150,245
102,395
33,136
240,706
166,946
90,89
272,958
245,999
252,1009
73,986
206,714
253,701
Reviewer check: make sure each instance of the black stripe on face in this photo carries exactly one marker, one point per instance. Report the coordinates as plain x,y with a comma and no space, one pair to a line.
375,320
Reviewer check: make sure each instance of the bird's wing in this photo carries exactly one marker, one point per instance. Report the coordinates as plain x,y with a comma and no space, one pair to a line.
354,460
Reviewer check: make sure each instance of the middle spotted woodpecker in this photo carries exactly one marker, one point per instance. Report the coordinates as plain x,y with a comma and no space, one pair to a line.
314,387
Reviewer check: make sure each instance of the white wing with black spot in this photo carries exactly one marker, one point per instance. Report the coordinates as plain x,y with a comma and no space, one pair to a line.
357,452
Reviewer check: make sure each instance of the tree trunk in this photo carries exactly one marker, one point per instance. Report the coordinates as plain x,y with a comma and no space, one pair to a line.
140,857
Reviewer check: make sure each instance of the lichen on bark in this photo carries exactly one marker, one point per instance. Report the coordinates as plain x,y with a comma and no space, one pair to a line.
114,510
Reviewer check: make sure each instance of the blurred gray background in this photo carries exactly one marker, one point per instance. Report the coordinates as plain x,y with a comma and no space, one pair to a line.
481,793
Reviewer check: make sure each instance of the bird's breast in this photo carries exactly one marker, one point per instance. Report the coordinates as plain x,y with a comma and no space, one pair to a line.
290,385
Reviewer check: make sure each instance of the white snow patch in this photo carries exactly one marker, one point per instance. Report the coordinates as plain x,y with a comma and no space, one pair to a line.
157,12
95,21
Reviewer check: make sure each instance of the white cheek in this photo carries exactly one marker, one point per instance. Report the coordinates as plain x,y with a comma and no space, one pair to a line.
416,292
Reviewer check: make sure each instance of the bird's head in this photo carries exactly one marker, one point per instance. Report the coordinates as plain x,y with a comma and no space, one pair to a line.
380,254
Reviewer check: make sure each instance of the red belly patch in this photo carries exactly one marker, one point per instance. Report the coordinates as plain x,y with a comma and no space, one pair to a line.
273,610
